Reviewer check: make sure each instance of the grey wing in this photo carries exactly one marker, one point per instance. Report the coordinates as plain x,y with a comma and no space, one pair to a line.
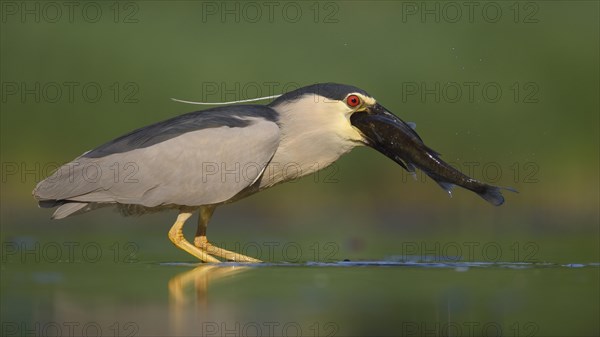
200,167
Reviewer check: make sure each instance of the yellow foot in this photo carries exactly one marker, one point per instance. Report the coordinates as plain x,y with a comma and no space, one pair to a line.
176,236
202,243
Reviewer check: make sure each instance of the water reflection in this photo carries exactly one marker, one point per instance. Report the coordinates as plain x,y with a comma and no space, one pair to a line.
188,292
409,298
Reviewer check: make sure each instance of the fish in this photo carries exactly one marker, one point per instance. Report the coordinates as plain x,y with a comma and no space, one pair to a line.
399,141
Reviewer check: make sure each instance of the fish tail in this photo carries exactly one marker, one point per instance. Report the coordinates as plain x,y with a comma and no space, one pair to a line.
493,194
490,193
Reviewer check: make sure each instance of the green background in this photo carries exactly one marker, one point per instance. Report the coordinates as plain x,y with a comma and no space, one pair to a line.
540,136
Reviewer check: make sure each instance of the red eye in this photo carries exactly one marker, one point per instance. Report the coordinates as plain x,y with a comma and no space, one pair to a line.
353,101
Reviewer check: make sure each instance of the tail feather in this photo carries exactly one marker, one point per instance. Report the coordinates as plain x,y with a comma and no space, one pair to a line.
69,208
50,203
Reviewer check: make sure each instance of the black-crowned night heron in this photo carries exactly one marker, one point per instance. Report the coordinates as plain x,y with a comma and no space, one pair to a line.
203,159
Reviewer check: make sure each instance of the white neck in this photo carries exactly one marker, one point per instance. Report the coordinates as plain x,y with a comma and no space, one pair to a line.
314,133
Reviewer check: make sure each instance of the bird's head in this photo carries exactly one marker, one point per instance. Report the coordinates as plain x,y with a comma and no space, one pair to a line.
346,111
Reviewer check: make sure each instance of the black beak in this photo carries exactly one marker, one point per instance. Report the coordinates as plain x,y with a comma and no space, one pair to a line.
387,133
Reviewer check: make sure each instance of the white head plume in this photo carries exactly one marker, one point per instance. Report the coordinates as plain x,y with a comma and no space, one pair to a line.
225,103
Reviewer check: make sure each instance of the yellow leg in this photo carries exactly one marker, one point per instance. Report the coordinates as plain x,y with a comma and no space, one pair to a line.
176,236
201,241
